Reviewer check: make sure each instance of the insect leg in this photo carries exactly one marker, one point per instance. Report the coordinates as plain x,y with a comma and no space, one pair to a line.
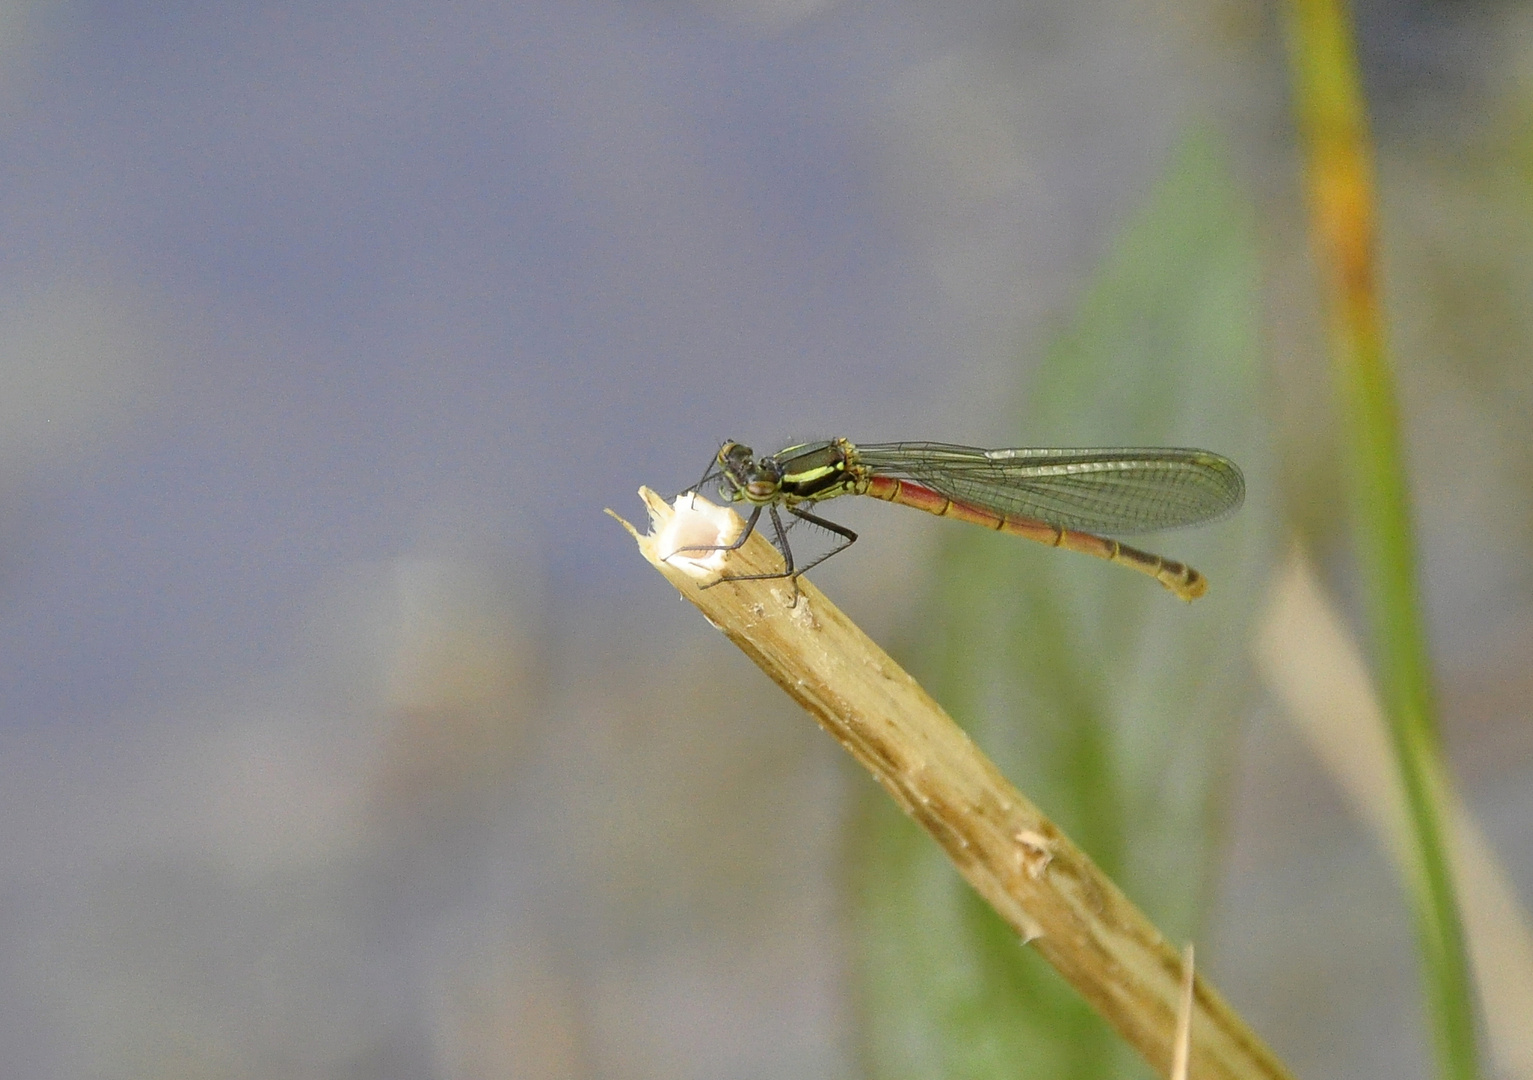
750,527
847,536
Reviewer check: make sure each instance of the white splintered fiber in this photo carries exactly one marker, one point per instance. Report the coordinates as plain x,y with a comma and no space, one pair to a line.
693,522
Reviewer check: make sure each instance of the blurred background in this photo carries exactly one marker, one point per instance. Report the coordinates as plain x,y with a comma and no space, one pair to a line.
342,736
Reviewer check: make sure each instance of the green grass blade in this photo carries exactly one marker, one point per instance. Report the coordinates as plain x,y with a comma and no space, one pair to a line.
1334,131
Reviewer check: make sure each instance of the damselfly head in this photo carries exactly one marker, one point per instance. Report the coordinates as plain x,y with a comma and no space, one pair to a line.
742,476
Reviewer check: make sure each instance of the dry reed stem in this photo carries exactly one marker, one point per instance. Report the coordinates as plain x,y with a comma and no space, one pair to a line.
1045,887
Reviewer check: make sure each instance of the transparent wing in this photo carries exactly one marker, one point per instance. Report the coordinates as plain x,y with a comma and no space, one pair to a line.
1111,490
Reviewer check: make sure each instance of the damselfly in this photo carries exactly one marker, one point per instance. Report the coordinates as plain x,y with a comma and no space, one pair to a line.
1064,498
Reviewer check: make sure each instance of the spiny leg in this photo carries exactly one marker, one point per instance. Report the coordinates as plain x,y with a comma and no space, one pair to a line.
711,472
848,537
789,571
782,547
786,551
745,533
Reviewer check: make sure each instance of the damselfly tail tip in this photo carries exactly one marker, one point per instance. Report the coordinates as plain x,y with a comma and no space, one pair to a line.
1191,586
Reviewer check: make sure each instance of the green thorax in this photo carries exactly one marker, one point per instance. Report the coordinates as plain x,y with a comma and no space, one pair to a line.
809,472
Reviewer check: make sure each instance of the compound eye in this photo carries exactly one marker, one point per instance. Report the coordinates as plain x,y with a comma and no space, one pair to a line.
765,480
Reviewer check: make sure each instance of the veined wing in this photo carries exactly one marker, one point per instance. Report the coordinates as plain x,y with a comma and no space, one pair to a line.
1111,490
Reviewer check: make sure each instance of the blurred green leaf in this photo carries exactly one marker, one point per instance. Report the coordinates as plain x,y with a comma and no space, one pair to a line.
1105,699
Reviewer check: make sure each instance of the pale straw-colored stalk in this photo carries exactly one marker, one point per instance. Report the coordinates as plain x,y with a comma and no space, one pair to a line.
1049,892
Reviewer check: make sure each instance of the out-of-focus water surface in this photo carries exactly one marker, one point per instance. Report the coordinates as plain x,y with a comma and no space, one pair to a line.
342,736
